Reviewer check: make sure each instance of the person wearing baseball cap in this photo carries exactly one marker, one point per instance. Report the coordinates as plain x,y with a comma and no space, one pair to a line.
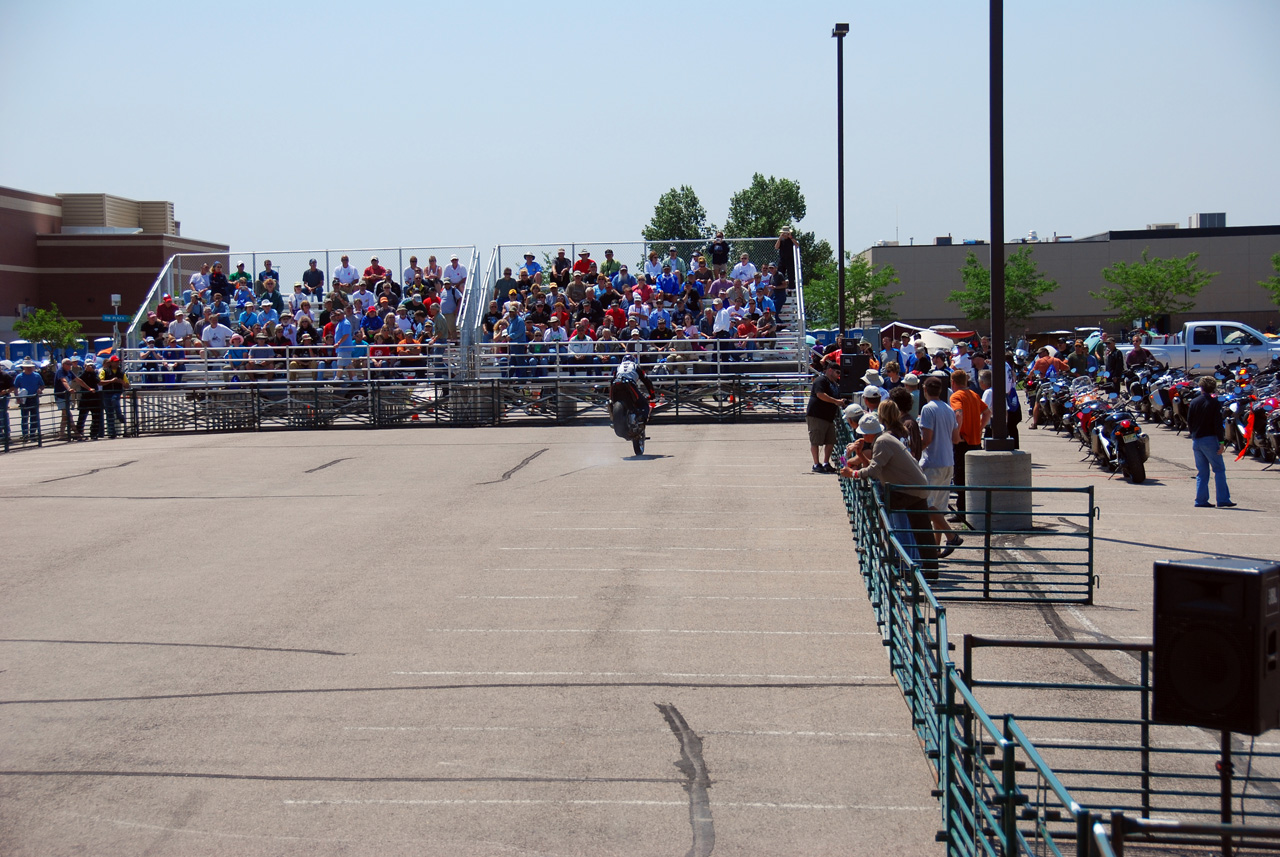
877,454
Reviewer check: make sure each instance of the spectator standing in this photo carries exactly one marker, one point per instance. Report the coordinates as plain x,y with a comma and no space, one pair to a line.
90,386
939,436
824,407
719,249
1208,442
114,384
972,416
29,385
64,384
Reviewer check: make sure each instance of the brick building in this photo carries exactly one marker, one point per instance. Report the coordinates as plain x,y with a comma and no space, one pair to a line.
76,250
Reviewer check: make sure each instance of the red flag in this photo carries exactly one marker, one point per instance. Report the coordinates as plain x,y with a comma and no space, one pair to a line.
1248,434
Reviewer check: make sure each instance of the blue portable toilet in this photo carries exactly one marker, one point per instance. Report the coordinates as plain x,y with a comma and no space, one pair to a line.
42,353
21,349
4,350
101,343
824,337
81,348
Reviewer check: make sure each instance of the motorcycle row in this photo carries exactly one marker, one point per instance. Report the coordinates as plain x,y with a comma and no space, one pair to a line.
1106,416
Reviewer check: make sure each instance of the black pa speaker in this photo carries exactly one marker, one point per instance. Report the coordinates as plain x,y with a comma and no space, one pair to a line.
852,367
1215,631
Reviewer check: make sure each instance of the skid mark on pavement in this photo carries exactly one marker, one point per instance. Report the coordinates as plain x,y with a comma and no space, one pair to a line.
697,781
89,472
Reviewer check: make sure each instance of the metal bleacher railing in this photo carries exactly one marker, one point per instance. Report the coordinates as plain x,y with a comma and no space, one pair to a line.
1000,791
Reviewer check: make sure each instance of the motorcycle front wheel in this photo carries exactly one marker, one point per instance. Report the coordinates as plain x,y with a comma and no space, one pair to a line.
637,443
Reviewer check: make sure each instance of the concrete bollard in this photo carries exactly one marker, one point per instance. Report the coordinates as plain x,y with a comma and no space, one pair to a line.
997,469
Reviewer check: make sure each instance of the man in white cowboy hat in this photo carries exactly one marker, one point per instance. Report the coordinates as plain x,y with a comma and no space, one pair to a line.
876,454
872,378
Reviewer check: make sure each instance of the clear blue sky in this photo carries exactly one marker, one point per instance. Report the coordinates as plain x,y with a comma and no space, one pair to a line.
306,125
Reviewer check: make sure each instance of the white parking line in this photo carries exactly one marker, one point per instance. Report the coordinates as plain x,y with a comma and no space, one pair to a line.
645,631
598,569
545,802
560,673
658,598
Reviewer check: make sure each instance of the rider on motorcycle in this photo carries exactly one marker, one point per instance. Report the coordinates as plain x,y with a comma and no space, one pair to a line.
629,385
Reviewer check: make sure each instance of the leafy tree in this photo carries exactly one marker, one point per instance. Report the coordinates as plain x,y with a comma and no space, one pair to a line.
769,204
866,293
49,326
1272,283
1024,285
679,215
1152,287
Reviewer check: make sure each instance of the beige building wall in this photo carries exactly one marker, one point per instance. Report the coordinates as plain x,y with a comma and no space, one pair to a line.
1240,255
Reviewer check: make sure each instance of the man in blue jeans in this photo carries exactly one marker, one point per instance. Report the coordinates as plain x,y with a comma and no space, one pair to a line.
1208,440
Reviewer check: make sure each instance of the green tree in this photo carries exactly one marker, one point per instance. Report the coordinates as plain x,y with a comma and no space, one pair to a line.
1024,286
769,204
679,215
1272,283
866,293
1152,287
50,327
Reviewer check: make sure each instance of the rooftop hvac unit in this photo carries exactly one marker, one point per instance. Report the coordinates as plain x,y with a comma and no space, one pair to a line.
1162,226
1210,220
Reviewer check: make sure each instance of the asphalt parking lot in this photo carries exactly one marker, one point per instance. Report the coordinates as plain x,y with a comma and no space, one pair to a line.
512,641
496,641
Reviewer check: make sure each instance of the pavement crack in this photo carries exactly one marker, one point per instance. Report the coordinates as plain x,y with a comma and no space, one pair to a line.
697,781
179,645
89,472
329,464
506,476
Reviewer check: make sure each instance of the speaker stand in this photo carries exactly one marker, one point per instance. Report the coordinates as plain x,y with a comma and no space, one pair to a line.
1224,778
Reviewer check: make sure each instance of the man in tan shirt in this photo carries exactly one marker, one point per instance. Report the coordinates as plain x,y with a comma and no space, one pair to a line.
879,455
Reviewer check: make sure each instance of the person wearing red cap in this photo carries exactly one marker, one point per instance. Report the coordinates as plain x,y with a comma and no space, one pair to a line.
114,383
168,310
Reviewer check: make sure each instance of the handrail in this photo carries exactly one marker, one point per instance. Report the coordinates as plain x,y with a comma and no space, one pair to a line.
151,299
475,298
802,347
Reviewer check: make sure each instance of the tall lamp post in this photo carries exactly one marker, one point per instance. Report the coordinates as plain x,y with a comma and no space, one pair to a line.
999,440
838,33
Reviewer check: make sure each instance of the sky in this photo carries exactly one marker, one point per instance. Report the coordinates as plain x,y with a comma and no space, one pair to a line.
284,125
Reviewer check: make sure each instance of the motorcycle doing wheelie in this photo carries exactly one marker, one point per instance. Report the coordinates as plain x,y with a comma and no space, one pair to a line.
629,397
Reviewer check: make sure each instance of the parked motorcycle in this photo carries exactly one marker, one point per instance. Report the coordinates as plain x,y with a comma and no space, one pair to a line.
1119,443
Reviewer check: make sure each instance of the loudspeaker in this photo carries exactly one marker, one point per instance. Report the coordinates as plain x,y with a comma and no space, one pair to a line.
852,367
1216,623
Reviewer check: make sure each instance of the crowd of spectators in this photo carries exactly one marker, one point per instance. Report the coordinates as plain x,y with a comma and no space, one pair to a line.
587,313
354,324
936,405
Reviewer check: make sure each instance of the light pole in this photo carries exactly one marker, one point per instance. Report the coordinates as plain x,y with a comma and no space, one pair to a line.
838,33
999,440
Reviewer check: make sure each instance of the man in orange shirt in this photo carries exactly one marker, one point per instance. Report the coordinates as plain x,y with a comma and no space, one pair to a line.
972,415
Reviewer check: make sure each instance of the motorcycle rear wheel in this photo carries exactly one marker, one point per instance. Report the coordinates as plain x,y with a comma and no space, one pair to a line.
1132,463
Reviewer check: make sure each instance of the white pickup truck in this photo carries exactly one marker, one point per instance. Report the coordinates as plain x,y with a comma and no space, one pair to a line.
1202,345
